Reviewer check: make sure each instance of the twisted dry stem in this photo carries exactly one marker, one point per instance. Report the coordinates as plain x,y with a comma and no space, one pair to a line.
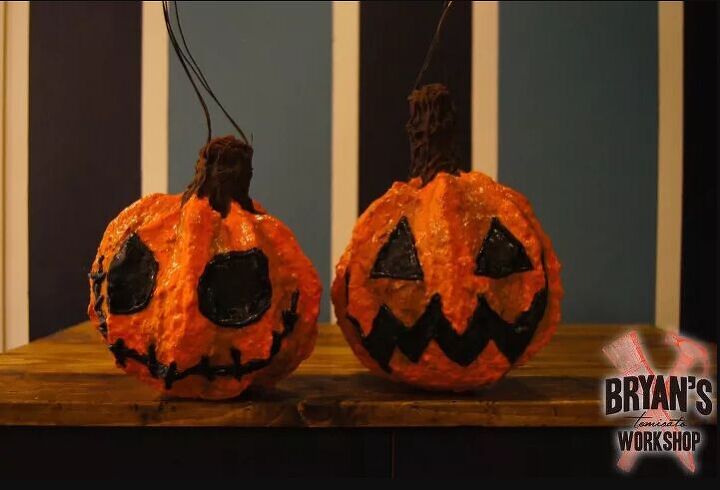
222,174
431,129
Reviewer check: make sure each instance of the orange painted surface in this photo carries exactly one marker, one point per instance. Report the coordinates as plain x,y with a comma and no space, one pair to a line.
183,239
449,218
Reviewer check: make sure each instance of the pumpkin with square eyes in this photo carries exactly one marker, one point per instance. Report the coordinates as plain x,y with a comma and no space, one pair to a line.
449,280
205,294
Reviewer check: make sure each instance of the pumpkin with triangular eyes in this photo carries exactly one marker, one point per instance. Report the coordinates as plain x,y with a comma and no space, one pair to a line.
449,280
204,294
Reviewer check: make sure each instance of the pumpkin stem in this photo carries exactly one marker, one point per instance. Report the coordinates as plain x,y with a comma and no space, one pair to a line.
431,129
222,174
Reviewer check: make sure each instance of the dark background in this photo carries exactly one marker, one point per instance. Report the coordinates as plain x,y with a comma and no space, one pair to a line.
700,251
85,136
84,139
393,44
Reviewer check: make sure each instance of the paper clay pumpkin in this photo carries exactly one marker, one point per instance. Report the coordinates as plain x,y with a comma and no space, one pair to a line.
204,294
449,280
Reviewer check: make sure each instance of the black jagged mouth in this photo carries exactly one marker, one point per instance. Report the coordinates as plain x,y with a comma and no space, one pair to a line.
389,333
511,338
169,373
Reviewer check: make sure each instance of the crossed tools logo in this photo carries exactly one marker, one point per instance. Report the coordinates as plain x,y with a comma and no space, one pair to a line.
657,405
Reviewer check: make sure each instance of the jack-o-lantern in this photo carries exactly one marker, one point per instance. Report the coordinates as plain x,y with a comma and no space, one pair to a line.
448,281
203,294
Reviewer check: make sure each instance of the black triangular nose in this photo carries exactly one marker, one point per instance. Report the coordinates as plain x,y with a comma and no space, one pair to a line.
398,258
501,253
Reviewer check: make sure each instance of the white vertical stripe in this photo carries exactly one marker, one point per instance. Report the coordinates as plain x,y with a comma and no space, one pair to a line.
2,176
17,51
670,165
485,18
345,125
154,100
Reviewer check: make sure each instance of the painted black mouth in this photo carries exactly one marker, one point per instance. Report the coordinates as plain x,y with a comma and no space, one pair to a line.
97,279
511,338
170,374
501,255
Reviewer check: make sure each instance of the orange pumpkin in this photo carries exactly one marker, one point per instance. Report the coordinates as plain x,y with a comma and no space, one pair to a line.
204,294
449,280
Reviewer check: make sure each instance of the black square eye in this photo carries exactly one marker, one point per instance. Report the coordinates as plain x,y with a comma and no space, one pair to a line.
398,259
131,277
234,289
501,254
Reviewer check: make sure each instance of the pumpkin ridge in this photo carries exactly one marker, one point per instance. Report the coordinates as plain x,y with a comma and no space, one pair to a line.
440,225
181,331
282,247
553,285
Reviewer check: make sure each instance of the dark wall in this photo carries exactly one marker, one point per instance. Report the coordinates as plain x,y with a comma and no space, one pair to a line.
85,138
84,145
394,37
699,303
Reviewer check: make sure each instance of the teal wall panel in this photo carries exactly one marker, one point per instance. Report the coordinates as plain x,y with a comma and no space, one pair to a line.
270,65
578,135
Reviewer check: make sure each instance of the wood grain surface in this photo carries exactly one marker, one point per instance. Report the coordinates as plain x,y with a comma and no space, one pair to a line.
69,379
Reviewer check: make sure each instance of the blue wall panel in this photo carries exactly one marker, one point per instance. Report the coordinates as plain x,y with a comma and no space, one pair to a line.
578,135
270,65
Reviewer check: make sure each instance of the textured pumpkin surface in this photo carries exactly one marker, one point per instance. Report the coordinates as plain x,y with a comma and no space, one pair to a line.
449,218
183,238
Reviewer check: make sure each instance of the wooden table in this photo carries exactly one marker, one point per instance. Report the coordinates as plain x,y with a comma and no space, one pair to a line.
67,384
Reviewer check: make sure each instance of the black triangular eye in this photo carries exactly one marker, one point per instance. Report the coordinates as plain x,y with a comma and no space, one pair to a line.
398,258
131,277
501,253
